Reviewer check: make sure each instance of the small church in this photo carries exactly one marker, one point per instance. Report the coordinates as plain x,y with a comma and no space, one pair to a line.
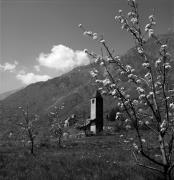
95,123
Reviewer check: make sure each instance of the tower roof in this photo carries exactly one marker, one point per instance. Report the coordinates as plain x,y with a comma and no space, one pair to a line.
97,94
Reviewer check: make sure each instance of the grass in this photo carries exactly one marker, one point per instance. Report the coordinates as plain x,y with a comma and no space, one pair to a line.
90,158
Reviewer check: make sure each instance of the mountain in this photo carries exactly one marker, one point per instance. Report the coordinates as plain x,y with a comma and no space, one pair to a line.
8,93
72,91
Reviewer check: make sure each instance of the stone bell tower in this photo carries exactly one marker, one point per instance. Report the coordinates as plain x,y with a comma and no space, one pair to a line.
96,116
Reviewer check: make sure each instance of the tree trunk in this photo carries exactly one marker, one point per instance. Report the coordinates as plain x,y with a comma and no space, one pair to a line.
167,176
60,143
32,147
163,153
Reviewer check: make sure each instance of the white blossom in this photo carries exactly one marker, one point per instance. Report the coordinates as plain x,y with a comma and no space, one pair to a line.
157,62
135,102
127,120
93,74
127,96
140,50
135,146
151,18
163,125
138,81
102,63
140,90
147,27
140,122
116,17
151,32
132,70
102,41
150,94
130,76
134,20
140,110
106,82
95,71
147,122
88,33
80,25
128,68
157,84
117,115
171,105
95,36
117,58
120,11
125,141
113,85
124,26
163,47
157,155
98,81
128,126
122,72
131,14
167,66
98,59
122,20
146,65
143,140
114,92
131,1
10,134
148,76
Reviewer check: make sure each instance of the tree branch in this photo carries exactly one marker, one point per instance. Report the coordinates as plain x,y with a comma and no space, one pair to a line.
146,166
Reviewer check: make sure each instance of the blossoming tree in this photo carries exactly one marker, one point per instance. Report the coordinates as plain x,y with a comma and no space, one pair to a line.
153,107
57,125
28,126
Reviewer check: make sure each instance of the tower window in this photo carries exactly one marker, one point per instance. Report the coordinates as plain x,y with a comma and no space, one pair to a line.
93,101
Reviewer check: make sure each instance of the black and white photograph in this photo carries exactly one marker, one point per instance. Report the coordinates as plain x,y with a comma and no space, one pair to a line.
86,89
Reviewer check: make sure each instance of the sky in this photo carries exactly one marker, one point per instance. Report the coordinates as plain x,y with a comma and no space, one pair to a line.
40,39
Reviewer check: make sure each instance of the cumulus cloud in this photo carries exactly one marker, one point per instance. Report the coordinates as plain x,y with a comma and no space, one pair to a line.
9,66
63,59
28,78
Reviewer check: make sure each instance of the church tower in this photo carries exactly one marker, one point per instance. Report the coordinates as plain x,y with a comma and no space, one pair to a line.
96,115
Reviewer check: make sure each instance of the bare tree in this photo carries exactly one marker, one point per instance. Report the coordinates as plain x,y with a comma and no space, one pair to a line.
153,106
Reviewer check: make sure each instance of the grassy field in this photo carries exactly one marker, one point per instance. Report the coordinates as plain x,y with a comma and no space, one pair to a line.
90,158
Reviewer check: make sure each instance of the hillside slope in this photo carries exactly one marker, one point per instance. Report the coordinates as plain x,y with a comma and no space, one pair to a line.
8,93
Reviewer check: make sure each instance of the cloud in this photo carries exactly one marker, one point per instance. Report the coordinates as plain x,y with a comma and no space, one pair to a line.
37,68
28,78
63,59
9,66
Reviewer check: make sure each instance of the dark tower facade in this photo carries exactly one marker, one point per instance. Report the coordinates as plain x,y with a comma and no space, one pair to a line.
96,113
